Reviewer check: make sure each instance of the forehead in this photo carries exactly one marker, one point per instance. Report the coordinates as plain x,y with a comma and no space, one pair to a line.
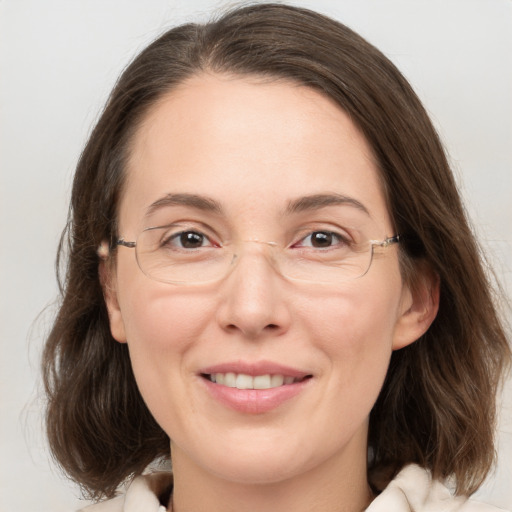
250,145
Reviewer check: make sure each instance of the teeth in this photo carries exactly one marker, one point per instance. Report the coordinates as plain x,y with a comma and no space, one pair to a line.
230,380
277,380
243,381
265,382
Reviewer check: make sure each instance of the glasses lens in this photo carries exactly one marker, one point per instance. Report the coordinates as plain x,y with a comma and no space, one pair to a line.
328,266
174,255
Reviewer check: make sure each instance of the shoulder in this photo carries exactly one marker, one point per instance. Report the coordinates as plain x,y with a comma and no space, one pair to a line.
144,493
411,490
414,490
113,505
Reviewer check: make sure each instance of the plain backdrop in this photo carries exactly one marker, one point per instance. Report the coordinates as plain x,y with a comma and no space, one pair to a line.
58,61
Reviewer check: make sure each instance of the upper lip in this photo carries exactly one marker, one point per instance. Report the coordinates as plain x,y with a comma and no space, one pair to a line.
254,369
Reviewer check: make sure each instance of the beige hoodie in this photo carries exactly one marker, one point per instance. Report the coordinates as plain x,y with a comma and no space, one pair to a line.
411,491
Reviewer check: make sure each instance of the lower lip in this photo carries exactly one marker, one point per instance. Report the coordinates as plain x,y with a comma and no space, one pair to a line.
254,401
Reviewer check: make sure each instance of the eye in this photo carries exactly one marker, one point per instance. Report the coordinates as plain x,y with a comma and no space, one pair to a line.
188,240
322,240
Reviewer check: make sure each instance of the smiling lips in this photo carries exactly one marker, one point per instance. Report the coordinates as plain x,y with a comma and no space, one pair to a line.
253,389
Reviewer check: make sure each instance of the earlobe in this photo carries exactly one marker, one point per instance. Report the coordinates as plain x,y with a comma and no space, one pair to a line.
109,287
420,304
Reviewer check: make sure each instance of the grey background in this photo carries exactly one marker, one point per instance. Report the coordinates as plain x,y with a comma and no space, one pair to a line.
58,61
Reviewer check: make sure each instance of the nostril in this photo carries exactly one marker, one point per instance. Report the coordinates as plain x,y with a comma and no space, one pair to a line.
272,327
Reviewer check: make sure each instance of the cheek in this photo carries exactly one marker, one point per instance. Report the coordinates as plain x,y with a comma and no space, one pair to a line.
162,329
354,320
354,331
159,319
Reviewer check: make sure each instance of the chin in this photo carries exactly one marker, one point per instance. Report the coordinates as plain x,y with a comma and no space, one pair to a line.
265,461
262,471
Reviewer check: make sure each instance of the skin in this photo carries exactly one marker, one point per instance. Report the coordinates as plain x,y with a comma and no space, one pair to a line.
254,146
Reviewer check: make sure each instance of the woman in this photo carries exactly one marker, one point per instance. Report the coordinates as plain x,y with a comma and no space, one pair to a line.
271,280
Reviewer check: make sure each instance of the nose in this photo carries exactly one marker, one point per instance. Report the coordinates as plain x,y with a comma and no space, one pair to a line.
254,300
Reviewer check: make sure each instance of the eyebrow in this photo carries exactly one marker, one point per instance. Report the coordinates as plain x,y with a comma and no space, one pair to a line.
318,201
207,204
192,200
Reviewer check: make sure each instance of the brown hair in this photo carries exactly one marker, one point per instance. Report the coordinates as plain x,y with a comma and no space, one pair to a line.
437,406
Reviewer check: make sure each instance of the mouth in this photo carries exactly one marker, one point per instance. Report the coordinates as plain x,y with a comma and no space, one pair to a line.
245,381
254,387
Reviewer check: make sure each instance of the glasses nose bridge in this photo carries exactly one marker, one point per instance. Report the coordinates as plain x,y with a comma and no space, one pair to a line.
269,251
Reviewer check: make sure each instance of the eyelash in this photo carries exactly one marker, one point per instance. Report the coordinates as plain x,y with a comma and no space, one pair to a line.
174,237
327,234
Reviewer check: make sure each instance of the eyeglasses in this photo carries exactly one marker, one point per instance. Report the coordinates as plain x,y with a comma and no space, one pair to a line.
179,255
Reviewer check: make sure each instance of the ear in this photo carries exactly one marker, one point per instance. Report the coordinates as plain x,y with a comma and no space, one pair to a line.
109,286
418,308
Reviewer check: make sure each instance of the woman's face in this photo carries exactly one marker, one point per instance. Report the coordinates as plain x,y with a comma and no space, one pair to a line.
239,159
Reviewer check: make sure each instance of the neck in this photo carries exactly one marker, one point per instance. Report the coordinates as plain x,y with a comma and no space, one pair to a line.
338,484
